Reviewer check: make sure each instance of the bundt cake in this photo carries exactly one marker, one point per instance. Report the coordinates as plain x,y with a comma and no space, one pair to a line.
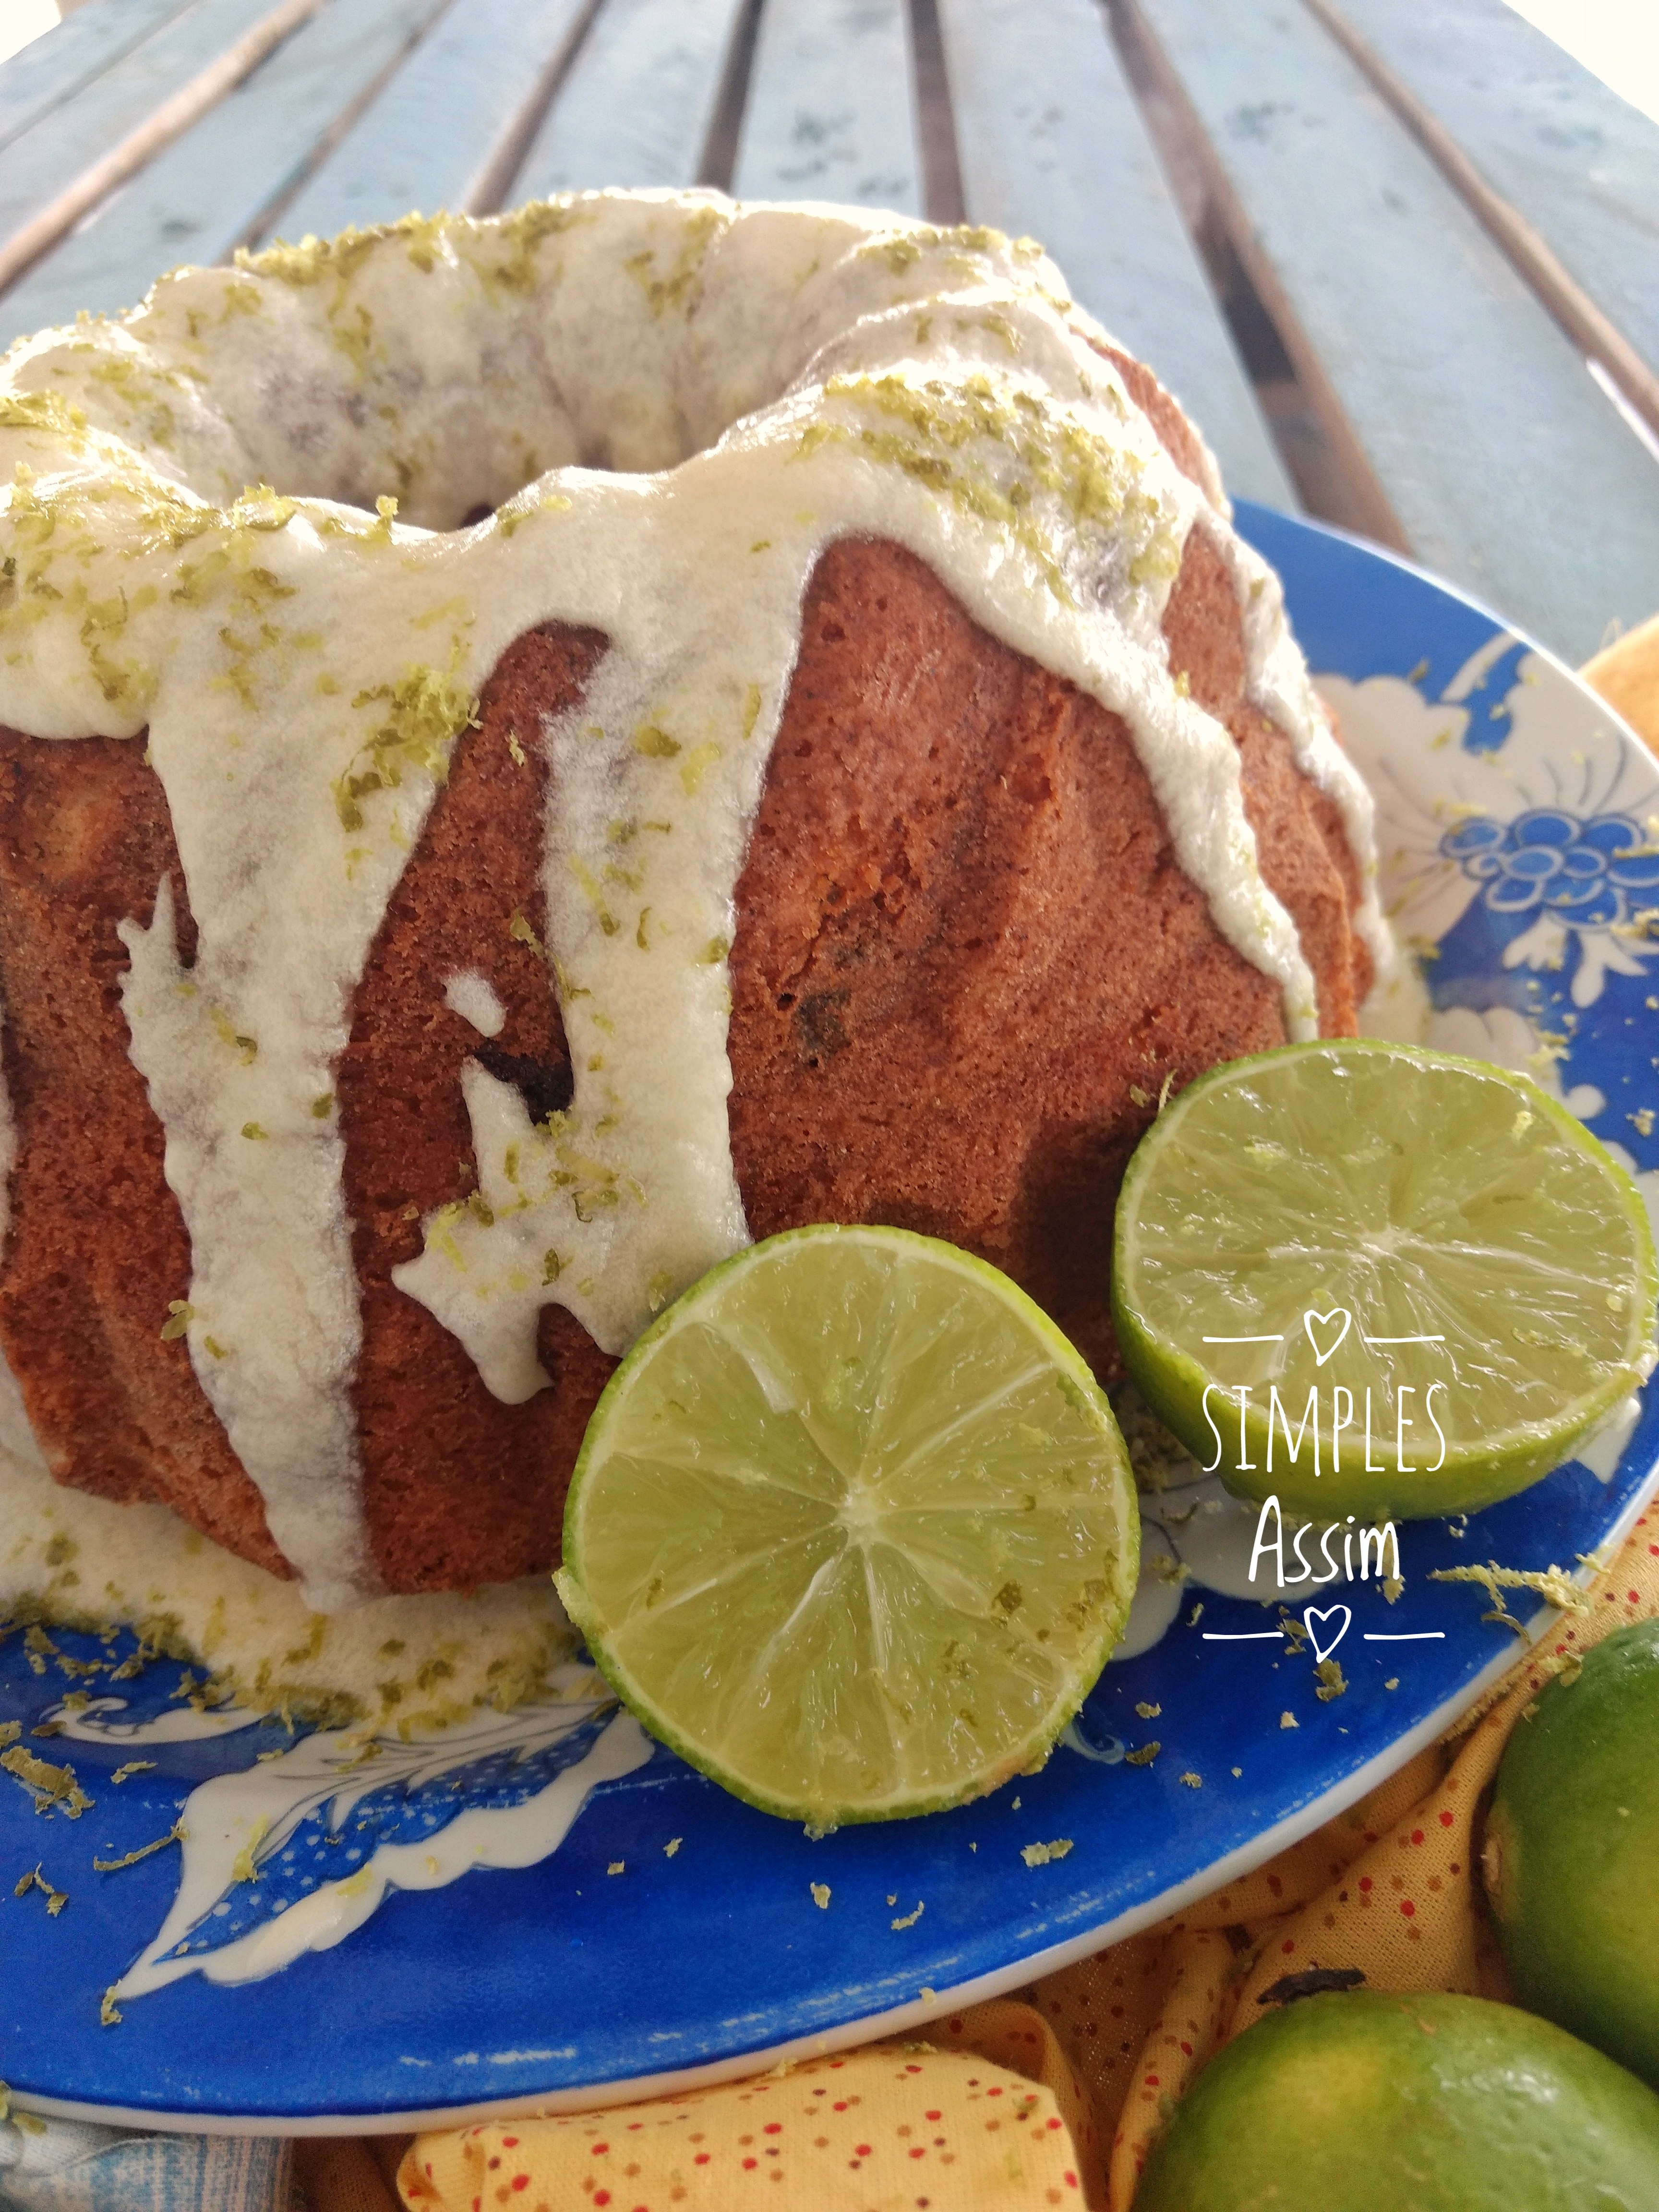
708,719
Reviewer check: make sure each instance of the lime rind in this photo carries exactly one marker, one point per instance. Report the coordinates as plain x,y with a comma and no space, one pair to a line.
1482,1212
852,1529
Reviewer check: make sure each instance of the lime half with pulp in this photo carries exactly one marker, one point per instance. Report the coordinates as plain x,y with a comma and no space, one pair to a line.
1374,1281
852,1529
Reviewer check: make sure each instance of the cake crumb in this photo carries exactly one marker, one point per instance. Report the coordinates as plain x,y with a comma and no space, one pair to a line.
672,1846
1196,1615
1393,1682
1289,1720
1145,1756
137,1767
617,1866
821,1894
1014,1807
910,1919
1148,1712
931,1996
1237,1773
1192,1781
1333,1682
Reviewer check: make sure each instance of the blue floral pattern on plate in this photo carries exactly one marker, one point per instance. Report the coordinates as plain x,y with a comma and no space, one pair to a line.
1587,873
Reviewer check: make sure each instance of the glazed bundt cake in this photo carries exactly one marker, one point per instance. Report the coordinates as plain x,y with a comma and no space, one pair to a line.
710,718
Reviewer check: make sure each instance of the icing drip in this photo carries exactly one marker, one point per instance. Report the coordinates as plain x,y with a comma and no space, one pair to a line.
1280,686
472,996
791,377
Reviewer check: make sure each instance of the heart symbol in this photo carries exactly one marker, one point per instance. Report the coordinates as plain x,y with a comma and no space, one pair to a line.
1327,1321
1313,1612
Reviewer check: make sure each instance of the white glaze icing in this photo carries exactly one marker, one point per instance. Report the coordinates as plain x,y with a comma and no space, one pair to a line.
251,1815
423,1664
472,996
697,399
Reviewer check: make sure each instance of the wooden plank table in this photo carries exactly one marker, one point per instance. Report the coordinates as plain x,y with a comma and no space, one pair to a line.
1402,269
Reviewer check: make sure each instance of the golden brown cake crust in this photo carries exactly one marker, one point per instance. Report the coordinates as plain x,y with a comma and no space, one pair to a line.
458,1488
966,962
96,1250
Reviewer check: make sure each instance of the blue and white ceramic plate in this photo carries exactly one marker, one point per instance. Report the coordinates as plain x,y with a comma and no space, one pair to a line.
549,1910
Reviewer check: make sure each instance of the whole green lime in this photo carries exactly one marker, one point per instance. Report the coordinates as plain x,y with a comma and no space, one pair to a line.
1572,1857
1363,2102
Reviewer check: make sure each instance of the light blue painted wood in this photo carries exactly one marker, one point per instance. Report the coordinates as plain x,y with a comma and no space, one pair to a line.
1581,164
53,68
198,200
422,141
831,110
1051,144
46,160
1508,470
636,107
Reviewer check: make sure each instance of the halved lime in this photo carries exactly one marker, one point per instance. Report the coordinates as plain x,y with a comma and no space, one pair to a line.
1378,1281
852,1529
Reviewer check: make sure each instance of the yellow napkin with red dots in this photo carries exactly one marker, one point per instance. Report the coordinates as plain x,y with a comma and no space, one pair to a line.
1053,2098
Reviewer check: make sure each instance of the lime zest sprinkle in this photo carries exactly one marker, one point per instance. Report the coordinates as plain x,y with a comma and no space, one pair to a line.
1037,1855
54,1786
1552,1584
175,1834
656,743
244,1867
425,712
522,933
56,1899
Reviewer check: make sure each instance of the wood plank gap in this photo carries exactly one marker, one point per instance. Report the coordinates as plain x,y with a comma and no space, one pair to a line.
264,225
494,178
942,195
1319,445
154,135
718,163
64,75
1593,332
